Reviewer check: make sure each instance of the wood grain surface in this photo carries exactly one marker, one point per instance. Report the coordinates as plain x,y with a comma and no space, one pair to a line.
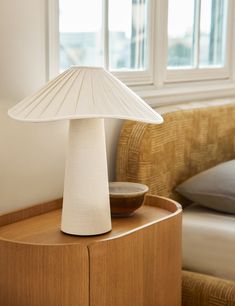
45,228
43,275
137,263
29,212
144,269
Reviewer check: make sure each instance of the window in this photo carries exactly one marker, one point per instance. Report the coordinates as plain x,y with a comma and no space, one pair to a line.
181,34
152,43
128,34
197,40
113,33
80,33
197,37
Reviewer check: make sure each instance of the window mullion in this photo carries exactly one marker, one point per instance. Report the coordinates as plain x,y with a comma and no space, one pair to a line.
196,33
105,30
52,39
160,39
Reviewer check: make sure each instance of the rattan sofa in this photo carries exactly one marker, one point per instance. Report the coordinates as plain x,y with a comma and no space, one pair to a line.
194,137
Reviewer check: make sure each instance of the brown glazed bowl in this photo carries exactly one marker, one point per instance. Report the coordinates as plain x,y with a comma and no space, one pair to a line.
126,197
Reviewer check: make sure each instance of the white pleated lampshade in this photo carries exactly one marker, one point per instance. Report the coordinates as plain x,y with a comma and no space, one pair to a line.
84,92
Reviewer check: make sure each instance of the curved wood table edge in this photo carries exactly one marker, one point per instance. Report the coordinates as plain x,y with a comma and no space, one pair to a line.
163,203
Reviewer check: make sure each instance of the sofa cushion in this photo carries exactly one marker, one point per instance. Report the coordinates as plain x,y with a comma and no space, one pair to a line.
208,241
213,188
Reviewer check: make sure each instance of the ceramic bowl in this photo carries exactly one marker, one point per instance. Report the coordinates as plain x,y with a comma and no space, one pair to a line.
126,197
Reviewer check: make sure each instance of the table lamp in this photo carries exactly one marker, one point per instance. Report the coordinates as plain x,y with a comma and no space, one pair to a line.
85,96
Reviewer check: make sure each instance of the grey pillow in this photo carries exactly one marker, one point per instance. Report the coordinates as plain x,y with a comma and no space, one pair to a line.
213,188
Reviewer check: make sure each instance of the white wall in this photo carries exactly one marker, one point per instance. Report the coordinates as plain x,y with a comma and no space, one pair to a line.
22,60
32,156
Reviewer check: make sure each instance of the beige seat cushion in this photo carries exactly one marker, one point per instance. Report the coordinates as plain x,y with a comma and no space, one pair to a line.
209,242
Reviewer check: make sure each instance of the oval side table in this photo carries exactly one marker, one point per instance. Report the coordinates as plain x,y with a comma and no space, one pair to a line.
138,263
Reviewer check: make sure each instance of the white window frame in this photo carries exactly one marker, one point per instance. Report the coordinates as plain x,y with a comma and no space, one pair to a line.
173,75
158,84
141,77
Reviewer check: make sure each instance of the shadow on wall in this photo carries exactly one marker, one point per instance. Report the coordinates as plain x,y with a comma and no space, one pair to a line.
32,159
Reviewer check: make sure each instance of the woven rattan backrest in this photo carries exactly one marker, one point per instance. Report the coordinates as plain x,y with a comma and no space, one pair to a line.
188,142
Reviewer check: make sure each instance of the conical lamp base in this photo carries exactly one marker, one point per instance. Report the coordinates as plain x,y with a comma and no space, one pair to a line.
86,209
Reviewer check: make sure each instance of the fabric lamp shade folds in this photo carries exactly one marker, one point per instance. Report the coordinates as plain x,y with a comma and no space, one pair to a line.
84,92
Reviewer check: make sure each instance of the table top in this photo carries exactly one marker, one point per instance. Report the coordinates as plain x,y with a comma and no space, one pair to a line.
45,228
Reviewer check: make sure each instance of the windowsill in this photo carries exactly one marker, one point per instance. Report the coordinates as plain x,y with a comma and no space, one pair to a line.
185,93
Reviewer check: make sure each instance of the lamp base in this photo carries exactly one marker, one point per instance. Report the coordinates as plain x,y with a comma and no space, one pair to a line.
86,208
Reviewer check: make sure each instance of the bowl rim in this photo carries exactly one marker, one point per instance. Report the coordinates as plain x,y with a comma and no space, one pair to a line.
143,189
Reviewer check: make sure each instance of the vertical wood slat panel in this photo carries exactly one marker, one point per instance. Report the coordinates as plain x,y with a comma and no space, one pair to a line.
141,269
43,275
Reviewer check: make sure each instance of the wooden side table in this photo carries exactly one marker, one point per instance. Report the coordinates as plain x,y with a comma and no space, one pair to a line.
137,264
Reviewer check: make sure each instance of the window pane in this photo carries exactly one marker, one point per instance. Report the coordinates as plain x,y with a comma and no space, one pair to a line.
128,34
80,33
180,33
212,36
